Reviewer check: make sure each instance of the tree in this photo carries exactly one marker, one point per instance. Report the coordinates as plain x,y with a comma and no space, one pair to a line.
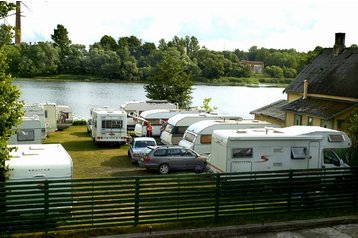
63,42
206,105
170,79
10,106
350,126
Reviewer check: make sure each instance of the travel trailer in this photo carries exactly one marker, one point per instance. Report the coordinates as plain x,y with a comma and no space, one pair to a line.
198,136
37,163
109,126
266,149
64,117
135,108
50,116
157,118
28,132
178,124
38,110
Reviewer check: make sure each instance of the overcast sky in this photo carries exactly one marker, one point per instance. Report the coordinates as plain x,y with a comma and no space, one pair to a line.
217,24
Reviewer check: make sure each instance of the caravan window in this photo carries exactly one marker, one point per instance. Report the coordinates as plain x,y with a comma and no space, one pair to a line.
298,152
26,135
205,139
242,153
169,128
189,137
111,124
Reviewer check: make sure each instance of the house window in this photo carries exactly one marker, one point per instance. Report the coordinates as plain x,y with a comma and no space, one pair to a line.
326,123
298,120
309,121
242,153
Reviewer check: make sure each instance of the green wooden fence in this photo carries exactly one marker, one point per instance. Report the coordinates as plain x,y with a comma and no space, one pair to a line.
48,205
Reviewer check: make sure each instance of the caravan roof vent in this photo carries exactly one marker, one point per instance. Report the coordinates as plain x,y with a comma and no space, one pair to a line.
29,153
36,148
335,138
241,131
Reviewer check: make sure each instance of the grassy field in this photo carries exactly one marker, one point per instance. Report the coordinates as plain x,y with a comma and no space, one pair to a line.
90,161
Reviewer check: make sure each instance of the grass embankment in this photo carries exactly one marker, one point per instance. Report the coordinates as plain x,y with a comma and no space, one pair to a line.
91,161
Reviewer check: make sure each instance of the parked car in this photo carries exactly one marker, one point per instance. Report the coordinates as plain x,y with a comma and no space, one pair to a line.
137,145
168,158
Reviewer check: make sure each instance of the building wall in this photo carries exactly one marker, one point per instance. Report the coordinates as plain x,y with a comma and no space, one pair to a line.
269,119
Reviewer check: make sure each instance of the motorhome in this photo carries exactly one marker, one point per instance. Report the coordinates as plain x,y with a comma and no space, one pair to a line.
39,163
38,110
198,136
28,132
177,125
266,149
109,126
50,116
64,117
135,108
157,118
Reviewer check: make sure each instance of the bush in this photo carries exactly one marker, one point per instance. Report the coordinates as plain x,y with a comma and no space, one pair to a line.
79,122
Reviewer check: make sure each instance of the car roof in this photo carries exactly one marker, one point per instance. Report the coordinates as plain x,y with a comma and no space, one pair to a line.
143,139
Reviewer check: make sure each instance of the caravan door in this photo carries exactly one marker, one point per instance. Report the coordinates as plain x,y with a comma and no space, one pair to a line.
314,155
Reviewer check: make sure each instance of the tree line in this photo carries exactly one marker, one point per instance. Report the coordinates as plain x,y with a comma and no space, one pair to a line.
131,59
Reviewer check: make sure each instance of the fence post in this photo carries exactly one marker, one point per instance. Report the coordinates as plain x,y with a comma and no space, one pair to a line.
47,223
136,201
217,198
289,199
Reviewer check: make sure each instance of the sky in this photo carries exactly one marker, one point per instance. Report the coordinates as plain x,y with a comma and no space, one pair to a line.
217,24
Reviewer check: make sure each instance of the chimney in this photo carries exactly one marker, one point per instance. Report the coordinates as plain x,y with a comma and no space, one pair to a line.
339,43
305,88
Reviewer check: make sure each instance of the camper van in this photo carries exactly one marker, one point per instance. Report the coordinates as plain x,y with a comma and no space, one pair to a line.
198,136
157,118
50,116
135,108
38,110
177,125
266,149
38,163
28,132
109,126
64,117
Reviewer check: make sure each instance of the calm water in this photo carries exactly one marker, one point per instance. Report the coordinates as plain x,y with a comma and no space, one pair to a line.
82,96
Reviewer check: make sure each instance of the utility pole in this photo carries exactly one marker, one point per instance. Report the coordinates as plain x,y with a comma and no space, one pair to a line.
18,23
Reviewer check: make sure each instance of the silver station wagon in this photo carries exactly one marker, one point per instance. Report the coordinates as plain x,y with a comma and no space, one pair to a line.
170,158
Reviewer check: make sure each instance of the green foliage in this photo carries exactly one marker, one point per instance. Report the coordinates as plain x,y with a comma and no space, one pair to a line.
10,106
274,71
170,79
351,128
206,105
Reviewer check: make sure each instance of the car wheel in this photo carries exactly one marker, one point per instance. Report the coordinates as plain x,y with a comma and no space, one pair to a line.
163,168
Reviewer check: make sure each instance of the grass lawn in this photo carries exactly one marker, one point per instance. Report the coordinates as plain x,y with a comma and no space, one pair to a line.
90,161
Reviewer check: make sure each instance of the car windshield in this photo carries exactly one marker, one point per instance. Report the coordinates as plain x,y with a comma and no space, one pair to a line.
142,144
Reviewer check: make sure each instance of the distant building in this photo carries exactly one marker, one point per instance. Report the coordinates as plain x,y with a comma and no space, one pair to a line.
256,66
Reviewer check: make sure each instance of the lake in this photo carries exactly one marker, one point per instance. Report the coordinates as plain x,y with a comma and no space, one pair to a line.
82,96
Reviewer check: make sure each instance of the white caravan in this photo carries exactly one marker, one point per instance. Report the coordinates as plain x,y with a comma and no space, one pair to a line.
109,126
135,108
295,147
157,118
38,163
64,117
178,124
38,110
50,116
28,132
198,136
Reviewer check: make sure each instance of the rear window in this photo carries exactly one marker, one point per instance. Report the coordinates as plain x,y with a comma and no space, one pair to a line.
147,151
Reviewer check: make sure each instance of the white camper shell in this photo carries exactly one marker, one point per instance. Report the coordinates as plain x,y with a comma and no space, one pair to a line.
37,110
28,132
38,163
135,108
64,117
198,136
178,124
157,118
109,126
295,147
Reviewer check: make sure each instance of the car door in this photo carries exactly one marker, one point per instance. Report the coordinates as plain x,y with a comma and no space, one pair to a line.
175,159
189,160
